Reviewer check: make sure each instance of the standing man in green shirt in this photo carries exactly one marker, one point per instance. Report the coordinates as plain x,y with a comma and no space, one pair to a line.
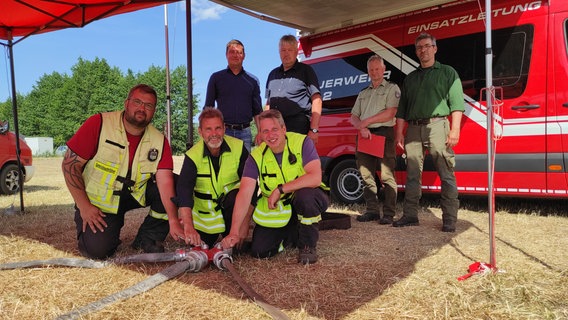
373,114
430,94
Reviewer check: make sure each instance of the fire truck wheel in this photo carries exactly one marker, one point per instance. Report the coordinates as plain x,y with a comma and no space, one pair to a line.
345,182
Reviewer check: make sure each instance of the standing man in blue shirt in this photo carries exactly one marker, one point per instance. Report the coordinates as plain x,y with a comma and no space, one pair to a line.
293,89
237,94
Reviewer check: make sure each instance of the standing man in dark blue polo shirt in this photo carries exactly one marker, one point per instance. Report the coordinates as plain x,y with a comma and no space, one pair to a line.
237,94
293,89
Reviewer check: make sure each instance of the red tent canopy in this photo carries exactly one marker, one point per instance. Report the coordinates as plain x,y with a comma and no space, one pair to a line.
22,18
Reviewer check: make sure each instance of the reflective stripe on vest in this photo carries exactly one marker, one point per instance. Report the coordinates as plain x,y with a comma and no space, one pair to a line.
308,221
210,188
105,174
157,215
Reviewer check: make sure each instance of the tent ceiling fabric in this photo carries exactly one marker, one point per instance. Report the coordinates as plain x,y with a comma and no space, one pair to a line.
317,16
22,18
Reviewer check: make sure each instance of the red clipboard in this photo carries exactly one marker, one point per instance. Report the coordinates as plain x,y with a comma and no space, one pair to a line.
374,146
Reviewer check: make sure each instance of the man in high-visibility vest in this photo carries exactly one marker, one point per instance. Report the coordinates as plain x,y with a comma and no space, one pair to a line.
292,200
117,161
209,180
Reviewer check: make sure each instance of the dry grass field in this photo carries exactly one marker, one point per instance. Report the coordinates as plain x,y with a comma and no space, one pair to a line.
366,272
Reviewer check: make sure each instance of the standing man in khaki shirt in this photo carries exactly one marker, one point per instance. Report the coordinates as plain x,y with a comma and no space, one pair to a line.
373,114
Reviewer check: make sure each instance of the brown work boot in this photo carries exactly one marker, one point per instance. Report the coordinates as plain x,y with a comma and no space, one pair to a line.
368,216
386,220
405,221
307,255
449,225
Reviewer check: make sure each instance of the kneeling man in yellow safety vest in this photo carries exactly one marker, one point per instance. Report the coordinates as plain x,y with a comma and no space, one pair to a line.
209,180
117,161
292,200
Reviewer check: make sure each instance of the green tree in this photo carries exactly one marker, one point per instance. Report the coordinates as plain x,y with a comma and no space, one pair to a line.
6,113
59,103
39,108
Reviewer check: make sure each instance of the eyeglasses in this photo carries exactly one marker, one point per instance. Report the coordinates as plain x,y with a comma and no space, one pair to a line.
426,46
138,103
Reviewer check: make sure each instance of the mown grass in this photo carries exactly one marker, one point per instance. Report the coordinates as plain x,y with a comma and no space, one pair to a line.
366,272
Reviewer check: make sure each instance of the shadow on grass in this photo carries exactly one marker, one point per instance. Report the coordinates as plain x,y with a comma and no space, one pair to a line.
355,265
37,188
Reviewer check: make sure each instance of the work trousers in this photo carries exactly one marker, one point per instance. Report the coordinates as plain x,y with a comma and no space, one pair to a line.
101,245
368,165
432,138
306,202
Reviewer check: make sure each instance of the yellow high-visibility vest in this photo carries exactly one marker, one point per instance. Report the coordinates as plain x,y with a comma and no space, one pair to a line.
211,188
271,175
106,174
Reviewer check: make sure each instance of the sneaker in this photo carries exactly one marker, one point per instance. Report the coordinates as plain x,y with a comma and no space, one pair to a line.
368,216
405,221
386,220
307,255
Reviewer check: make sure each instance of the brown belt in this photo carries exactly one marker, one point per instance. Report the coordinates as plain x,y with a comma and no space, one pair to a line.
421,122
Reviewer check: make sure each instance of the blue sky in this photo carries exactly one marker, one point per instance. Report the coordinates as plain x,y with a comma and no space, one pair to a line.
137,40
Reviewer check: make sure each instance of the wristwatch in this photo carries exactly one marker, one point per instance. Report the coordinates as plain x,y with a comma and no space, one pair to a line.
314,130
280,189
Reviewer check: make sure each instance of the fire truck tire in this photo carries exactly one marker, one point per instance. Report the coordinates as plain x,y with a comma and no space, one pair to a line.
345,182
9,179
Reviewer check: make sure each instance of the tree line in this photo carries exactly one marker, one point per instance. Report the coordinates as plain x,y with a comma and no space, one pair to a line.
59,103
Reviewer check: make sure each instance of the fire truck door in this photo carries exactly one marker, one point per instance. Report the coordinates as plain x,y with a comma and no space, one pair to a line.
558,103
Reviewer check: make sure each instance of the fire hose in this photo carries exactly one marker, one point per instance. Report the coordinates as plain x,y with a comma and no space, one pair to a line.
187,260
274,312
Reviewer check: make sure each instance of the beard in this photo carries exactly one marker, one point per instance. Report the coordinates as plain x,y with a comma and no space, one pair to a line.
214,144
133,120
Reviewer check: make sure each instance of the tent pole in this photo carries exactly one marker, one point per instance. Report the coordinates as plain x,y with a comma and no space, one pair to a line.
189,143
489,93
168,97
16,127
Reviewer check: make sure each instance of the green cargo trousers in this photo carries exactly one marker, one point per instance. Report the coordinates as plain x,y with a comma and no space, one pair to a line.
432,138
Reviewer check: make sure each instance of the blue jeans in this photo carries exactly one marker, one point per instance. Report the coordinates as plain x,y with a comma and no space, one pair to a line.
245,135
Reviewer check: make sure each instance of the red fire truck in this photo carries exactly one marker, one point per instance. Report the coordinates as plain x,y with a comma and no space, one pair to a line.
530,73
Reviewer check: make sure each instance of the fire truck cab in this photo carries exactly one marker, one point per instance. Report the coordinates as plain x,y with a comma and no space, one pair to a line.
530,73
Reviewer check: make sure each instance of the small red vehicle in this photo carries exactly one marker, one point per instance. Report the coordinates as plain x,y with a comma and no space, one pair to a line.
9,172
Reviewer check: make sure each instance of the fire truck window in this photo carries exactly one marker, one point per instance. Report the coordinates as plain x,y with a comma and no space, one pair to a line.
566,35
341,79
512,49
